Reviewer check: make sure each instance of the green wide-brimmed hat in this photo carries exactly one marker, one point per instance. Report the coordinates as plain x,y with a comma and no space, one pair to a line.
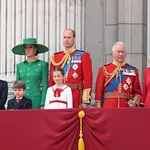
19,49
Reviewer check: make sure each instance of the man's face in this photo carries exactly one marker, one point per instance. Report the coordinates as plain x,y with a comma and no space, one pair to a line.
19,92
119,53
68,39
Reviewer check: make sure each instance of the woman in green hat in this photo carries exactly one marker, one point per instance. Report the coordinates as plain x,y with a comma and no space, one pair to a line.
33,71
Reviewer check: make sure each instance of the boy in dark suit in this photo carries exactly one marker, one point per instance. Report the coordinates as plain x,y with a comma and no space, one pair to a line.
19,101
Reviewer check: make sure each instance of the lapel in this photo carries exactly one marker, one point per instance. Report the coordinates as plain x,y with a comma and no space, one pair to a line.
21,102
14,103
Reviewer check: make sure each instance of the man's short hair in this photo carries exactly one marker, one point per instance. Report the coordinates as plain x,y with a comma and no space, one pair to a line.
116,44
73,32
19,84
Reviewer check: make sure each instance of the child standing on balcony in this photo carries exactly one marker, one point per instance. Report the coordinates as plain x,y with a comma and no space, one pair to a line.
19,101
59,95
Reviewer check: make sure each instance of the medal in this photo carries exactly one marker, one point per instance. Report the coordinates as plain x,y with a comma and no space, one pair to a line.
125,86
75,67
129,72
74,75
128,81
76,58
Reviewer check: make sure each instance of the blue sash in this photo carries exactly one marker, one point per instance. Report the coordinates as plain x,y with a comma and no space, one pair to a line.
114,83
76,56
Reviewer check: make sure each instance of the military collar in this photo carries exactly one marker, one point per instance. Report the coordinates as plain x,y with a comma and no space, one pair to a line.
70,50
116,63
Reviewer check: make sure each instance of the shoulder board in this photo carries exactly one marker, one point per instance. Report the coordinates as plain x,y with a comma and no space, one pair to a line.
106,64
22,62
81,50
131,67
57,53
43,62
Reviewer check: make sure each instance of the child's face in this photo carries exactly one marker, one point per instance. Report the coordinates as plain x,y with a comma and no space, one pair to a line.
19,92
58,77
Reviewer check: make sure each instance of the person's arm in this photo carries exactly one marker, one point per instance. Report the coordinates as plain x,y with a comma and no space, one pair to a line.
17,72
8,105
144,89
51,82
29,104
44,82
99,88
87,77
3,94
136,88
69,98
46,106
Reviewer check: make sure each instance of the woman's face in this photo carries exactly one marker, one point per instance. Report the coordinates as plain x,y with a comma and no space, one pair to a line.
30,50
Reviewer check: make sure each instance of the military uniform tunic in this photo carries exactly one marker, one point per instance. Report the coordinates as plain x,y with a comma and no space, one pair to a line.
116,85
33,74
78,71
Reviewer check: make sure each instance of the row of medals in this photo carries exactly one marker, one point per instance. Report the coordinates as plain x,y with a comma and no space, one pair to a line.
76,59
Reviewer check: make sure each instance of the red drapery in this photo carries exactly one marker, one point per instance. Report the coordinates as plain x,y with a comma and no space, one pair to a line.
103,129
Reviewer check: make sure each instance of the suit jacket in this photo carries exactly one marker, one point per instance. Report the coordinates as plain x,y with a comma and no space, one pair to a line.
24,103
3,93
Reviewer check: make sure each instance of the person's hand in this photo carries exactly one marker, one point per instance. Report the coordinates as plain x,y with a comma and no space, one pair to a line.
42,107
132,103
84,105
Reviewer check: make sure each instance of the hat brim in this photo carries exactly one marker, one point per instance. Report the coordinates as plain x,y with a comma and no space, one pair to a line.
19,49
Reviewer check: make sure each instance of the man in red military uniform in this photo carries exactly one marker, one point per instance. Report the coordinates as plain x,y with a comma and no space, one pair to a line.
77,66
117,83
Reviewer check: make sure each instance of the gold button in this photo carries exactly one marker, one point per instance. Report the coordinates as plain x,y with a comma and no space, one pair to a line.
28,81
28,75
28,88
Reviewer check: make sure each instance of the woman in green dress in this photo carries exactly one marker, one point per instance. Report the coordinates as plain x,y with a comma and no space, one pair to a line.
33,71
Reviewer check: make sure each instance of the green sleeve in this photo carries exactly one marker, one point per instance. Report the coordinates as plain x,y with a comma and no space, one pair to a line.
17,72
44,82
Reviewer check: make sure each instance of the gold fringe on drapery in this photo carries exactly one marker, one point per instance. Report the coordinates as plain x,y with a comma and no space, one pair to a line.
81,146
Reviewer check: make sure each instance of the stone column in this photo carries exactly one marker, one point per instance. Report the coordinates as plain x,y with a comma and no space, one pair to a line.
132,30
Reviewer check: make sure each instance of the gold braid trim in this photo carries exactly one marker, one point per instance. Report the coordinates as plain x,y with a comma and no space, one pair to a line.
111,75
115,72
62,62
86,96
98,104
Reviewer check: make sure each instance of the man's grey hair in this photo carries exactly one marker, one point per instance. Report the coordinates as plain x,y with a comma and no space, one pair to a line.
116,44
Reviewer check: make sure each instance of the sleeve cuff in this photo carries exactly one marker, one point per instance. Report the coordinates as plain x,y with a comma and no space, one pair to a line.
86,96
98,104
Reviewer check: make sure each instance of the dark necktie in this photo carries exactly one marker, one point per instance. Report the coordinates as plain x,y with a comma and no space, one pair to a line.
18,100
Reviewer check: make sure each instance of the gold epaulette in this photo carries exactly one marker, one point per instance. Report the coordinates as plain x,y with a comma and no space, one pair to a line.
62,62
81,50
109,75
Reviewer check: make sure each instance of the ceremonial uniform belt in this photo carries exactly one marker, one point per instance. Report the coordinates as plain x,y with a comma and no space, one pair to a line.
75,86
117,95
